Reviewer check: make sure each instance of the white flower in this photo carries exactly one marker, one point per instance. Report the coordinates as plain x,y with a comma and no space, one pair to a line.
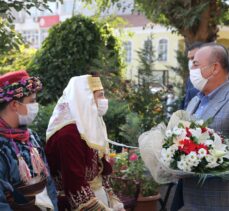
220,160
173,148
166,155
199,122
180,135
177,131
181,164
218,143
203,137
217,153
208,142
188,169
192,159
192,156
196,162
210,130
185,123
219,149
196,132
212,161
202,152
210,158
168,133
166,162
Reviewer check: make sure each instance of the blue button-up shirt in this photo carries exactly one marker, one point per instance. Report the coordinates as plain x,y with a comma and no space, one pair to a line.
204,100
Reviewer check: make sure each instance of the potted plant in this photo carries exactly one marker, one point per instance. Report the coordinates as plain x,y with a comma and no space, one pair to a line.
130,165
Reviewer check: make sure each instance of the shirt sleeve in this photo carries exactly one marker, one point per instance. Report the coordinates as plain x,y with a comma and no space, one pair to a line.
4,206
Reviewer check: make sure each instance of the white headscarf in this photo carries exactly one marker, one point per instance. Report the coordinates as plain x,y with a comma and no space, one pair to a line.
77,105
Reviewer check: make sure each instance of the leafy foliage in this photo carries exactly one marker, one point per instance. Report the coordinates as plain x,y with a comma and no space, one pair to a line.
146,62
148,105
131,166
77,46
195,20
6,7
16,59
9,38
131,130
116,115
40,124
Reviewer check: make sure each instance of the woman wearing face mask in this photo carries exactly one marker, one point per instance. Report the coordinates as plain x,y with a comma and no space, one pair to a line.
77,147
25,183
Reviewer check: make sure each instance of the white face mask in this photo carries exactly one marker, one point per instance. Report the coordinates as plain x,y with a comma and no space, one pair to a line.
197,79
189,64
102,106
32,110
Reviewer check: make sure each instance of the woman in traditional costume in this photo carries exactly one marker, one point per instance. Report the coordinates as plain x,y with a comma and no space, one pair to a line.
77,147
25,183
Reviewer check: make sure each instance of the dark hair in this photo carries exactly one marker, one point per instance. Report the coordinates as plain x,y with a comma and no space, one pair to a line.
94,74
220,54
4,104
194,45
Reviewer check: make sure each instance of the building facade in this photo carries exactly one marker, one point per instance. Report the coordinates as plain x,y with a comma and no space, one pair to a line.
34,28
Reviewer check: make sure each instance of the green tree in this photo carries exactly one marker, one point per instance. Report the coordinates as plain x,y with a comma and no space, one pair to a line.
146,63
16,59
9,38
195,20
147,104
77,46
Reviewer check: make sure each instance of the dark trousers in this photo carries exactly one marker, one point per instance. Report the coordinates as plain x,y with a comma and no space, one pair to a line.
178,202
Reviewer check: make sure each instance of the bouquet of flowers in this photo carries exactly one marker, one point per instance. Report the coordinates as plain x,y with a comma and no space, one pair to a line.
186,147
192,147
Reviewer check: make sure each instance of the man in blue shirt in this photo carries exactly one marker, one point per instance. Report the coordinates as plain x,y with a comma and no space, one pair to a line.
209,75
190,90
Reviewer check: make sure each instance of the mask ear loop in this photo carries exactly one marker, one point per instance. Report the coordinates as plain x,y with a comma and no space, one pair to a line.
21,104
212,72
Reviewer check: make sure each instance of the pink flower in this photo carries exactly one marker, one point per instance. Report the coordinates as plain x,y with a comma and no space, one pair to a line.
133,157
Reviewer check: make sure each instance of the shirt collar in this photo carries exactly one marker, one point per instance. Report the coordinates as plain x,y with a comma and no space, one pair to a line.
213,93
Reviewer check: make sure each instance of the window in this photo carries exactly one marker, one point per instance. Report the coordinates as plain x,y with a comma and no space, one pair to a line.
128,51
31,37
44,34
162,50
148,47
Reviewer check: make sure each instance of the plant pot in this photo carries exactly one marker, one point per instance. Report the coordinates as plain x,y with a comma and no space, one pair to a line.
148,203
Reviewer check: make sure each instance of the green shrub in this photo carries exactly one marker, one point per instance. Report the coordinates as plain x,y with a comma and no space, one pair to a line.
115,117
16,59
131,130
40,124
129,165
74,47
149,106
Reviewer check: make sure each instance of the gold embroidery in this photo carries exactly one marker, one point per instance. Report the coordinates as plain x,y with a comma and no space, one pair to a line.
94,83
